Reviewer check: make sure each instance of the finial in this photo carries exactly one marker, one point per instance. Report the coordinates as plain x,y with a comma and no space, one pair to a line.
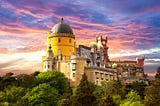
50,46
62,20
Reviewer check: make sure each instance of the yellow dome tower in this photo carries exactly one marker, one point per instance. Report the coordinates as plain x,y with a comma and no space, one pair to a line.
62,40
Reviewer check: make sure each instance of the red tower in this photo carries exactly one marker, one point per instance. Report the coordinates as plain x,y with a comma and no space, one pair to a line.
104,43
140,61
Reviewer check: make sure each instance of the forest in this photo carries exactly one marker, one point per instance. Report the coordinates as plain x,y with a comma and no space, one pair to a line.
52,89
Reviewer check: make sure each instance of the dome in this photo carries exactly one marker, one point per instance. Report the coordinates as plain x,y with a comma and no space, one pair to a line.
93,44
61,27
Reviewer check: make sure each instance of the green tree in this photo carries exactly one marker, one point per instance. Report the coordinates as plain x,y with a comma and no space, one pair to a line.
84,93
35,73
11,95
107,101
55,79
116,99
41,95
132,99
99,92
2,97
139,87
152,93
111,91
111,87
7,80
65,100
158,73
26,81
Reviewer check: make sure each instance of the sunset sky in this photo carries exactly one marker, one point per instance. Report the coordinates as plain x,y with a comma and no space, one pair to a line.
132,27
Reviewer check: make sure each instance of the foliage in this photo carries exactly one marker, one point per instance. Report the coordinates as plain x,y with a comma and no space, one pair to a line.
107,101
65,100
26,81
152,93
7,80
158,73
41,95
111,87
34,89
52,89
2,96
99,92
110,93
54,79
117,99
132,99
139,87
84,93
12,95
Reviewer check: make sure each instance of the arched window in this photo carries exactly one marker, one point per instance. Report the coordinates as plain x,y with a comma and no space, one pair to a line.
59,52
59,40
70,40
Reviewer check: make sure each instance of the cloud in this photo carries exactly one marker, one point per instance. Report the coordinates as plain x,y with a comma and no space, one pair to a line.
132,27
130,6
21,62
10,63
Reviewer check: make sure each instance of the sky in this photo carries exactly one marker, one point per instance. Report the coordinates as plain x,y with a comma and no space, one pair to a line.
132,27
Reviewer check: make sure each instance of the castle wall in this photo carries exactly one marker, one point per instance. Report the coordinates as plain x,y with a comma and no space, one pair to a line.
97,74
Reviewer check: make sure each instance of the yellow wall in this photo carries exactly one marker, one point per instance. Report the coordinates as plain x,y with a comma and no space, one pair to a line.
67,48
43,62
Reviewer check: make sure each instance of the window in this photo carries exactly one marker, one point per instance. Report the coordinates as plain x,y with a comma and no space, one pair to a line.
59,40
59,52
70,40
73,66
106,76
111,77
73,75
97,75
48,66
102,76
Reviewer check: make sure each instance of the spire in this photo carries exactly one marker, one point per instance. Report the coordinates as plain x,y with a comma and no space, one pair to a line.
50,47
50,54
62,20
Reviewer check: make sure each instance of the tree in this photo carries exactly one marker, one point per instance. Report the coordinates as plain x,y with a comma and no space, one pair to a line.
111,91
132,99
55,79
152,93
65,100
2,97
35,73
138,87
41,95
107,101
111,87
11,95
7,80
158,73
84,93
26,81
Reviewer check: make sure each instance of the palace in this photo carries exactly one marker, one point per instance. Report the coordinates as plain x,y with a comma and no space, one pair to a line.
63,55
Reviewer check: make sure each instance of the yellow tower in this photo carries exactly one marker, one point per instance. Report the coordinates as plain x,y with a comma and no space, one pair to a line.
62,40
